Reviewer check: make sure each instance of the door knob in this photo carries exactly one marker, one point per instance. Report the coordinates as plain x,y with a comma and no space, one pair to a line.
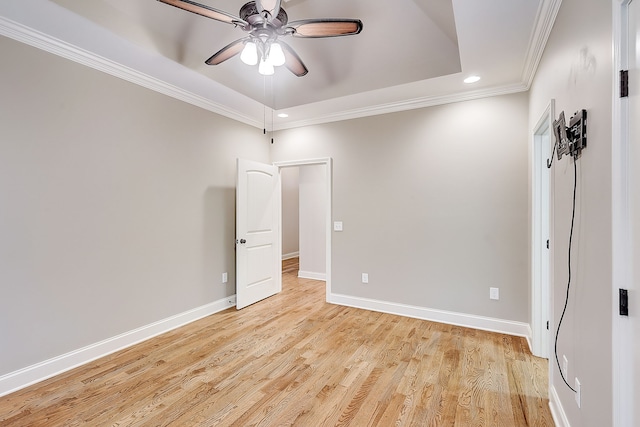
242,241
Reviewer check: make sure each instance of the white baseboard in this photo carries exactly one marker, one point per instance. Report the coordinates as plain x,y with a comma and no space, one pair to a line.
25,377
290,255
530,342
557,411
312,275
508,327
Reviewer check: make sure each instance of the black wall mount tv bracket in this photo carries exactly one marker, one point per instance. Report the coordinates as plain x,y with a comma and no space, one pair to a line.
570,140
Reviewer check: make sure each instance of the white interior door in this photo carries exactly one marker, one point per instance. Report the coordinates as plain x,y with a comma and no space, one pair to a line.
258,210
626,217
634,194
541,338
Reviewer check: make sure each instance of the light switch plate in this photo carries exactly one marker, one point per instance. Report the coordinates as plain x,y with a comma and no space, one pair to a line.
494,293
337,226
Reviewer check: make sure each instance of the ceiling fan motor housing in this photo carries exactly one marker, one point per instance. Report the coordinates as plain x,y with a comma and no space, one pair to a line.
249,12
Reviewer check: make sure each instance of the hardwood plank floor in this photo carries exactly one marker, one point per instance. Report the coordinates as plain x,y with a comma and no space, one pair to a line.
295,360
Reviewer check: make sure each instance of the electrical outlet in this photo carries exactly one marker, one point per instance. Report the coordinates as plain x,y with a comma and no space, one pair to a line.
578,391
494,293
365,278
565,365
225,278
337,226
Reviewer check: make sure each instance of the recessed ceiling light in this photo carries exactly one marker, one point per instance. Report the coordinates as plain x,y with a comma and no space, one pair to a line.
283,115
472,79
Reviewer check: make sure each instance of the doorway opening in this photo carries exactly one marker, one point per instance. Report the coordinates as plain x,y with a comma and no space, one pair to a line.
541,266
314,185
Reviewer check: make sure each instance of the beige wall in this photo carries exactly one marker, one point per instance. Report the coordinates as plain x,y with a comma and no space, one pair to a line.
313,225
576,70
290,211
116,205
433,201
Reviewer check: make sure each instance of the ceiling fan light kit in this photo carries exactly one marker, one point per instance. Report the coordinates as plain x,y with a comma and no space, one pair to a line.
276,54
266,67
249,54
271,55
266,21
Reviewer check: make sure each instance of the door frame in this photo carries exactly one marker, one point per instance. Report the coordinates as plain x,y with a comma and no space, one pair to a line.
328,164
541,295
622,331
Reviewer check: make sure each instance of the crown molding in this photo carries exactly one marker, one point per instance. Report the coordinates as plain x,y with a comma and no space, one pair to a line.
37,39
412,104
249,111
547,13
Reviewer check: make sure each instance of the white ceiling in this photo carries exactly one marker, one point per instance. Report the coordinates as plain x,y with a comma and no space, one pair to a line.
411,53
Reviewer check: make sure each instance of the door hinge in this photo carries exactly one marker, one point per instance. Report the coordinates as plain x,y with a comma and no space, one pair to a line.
547,243
624,302
624,83
547,325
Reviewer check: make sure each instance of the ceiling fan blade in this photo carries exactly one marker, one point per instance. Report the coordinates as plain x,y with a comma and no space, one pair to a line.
292,61
272,7
315,28
206,11
227,52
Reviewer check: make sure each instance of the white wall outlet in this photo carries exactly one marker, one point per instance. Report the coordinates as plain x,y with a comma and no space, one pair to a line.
494,293
337,226
365,278
225,278
565,365
577,388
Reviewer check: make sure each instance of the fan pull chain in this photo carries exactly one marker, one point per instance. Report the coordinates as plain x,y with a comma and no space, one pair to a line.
273,106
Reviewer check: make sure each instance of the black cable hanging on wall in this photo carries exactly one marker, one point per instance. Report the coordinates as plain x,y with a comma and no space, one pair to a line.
566,300
569,141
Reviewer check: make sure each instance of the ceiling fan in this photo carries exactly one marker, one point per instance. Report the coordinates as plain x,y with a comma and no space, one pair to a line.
266,21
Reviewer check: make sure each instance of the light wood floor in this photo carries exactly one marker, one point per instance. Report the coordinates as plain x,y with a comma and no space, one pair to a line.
295,360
